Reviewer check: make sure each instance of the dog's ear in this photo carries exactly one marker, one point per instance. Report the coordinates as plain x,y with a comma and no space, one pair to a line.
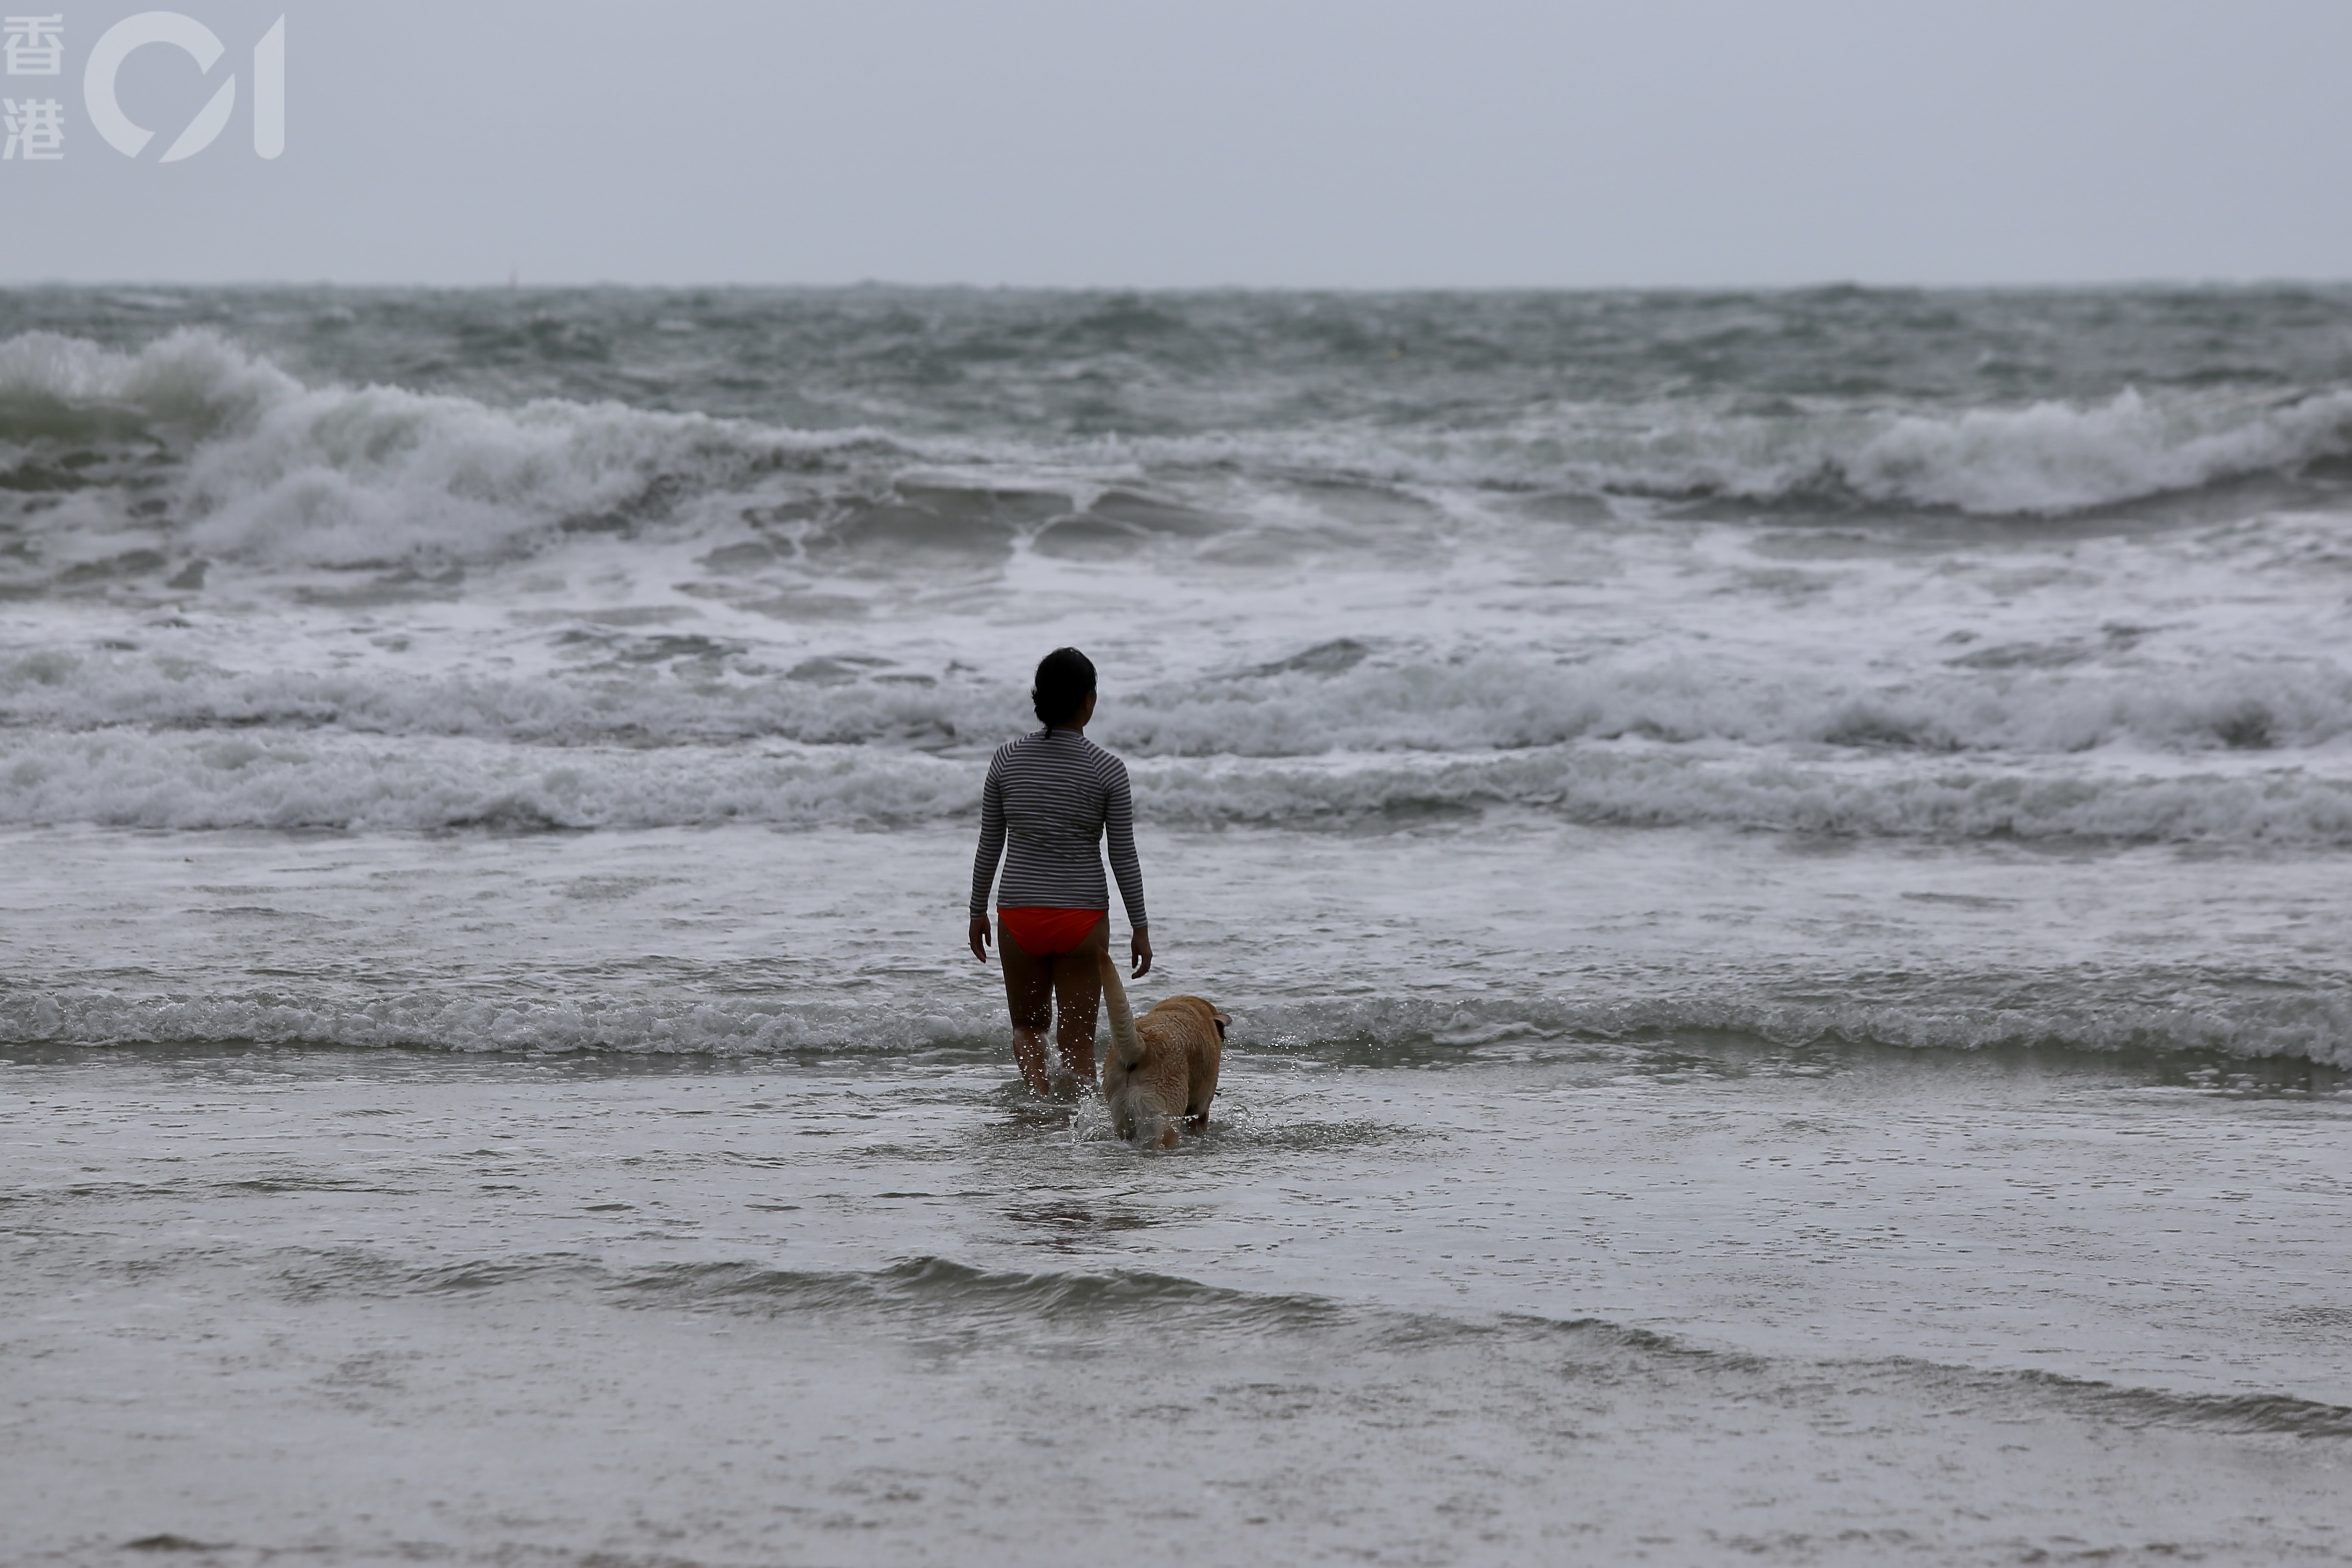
1221,1021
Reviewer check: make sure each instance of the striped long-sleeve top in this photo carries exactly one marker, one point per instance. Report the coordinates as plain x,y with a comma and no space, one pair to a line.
1051,797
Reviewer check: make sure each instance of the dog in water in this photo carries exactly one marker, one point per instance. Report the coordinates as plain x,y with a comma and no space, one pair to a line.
1162,1066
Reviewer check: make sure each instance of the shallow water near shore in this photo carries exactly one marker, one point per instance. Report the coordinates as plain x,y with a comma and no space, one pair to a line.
1781,864
1686,1305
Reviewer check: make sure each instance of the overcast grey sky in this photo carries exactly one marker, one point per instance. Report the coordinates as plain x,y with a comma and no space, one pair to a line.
1277,143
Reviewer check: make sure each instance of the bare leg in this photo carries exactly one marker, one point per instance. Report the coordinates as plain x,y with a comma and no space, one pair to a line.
1077,1002
1062,993
1029,993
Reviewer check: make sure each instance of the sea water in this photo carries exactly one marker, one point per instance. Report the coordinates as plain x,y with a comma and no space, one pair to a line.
1781,863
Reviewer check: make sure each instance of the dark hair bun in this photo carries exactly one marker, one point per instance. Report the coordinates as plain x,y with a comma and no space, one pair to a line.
1066,678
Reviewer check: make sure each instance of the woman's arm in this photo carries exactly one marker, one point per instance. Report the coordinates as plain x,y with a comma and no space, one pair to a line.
991,851
1118,829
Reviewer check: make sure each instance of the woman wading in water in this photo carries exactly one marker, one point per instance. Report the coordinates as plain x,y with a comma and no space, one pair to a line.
1050,798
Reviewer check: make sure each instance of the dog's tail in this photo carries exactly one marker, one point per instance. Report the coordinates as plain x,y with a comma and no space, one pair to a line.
1123,1041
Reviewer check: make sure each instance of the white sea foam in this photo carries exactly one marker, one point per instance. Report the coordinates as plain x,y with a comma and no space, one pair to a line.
2045,458
338,476
2053,457
262,778
1398,705
266,778
376,476
429,612
1510,704
1648,787
193,380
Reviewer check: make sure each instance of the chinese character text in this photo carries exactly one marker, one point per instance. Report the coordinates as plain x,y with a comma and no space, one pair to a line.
37,45
36,126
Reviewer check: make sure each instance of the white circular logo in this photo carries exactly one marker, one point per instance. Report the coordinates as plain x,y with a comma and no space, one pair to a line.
200,44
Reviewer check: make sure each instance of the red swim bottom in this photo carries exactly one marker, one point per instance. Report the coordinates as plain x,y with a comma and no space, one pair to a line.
1047,933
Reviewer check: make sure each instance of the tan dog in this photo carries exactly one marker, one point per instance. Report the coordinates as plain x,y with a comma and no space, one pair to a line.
1163,1067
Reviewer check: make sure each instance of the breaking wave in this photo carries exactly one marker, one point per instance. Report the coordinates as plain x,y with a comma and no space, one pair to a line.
2183,1013
260,778
2045,460
270,469
277,471
1332,698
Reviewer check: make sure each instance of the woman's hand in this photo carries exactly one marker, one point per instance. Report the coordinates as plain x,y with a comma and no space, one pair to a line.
980,939
1139,945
